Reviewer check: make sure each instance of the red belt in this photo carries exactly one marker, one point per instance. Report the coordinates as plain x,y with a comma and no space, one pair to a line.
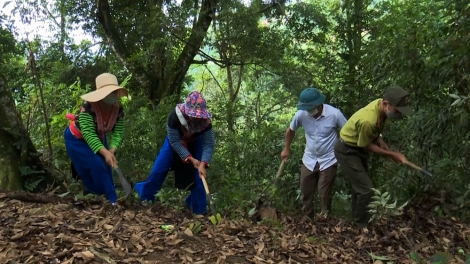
74,130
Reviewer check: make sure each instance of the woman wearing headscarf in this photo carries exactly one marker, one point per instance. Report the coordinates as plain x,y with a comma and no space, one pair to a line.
188,149
85,138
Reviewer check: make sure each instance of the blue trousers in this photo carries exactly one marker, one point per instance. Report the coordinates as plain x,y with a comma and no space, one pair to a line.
147,190
95,173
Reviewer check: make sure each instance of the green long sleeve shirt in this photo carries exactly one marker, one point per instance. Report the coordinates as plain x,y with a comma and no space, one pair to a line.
88,128
85,121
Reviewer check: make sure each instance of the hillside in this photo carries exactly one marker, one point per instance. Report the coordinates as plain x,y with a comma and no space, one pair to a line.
66,232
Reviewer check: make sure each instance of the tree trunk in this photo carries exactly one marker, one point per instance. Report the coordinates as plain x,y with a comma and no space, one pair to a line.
353,40
18,155
160,81
10,176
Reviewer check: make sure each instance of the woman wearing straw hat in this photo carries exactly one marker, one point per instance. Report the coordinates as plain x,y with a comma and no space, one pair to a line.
188,149
85,138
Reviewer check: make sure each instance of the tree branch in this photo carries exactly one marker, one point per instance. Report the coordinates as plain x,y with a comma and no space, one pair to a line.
239,84
271,109
219,62
200,61
190,50
84,50
217,82
118,45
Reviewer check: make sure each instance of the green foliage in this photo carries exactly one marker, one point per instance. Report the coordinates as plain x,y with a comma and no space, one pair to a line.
31,181
381,209
195,227
251,68
216,219
143,137
379,258
172,197
8,47
31,185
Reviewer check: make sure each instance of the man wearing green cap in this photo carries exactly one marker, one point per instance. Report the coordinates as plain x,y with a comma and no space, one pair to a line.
362,134
321,123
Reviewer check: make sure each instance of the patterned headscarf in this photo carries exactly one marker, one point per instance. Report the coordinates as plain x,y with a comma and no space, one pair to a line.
195,112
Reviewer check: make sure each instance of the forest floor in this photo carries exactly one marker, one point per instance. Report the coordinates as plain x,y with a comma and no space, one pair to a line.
64,232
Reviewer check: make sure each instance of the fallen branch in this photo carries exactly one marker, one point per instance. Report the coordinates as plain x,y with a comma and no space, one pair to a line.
33,197
102,256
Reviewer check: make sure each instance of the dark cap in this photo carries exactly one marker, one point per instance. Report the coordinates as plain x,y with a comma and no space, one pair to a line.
399,98
310,98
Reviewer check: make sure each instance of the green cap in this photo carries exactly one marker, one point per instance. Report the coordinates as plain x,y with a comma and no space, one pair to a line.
399,98
310,98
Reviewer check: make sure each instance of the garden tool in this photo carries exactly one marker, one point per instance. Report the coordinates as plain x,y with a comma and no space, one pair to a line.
263,207
279,172
124,182
208,195
416,167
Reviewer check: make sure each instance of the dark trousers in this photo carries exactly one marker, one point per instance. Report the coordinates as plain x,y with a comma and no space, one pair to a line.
353,162
310,181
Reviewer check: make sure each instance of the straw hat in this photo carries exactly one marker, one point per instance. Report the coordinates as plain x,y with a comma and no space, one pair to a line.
106,83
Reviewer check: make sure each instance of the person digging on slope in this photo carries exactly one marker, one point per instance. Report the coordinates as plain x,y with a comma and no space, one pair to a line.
188,149
362,134
321,123
85,138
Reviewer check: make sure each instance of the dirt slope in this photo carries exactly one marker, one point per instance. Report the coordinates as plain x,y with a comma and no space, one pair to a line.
66,233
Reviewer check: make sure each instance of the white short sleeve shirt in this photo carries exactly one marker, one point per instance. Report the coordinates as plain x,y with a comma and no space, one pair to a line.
321,134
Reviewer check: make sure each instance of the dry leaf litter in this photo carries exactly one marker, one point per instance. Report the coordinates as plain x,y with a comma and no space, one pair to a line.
68,233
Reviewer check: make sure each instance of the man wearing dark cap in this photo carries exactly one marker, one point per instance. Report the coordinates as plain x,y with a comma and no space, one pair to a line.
361,134
321,123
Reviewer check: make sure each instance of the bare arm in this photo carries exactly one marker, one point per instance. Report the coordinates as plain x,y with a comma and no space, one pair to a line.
289,137
381,143
376,149
365,133
290,134
393,155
